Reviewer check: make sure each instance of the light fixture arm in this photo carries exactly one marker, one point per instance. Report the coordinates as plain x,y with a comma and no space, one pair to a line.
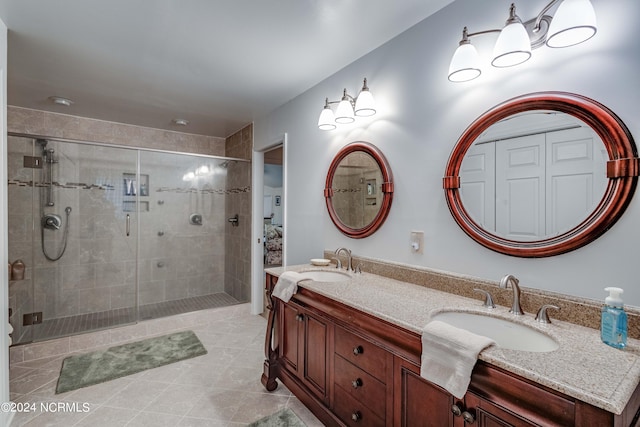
345,97
478,33
536,24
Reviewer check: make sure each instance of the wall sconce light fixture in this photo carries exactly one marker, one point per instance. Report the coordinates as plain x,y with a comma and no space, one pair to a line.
348,108
574,22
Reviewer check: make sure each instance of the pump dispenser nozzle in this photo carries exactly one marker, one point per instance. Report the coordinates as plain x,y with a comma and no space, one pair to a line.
614,299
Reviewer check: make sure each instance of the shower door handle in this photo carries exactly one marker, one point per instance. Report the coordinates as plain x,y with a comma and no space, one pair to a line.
128,225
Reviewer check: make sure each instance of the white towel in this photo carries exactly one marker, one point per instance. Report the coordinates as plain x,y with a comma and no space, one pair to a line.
287,285
449,355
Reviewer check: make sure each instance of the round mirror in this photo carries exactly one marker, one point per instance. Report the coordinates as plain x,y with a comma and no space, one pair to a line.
541,174
359,189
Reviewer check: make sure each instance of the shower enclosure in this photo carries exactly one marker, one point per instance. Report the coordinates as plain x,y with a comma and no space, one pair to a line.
111,235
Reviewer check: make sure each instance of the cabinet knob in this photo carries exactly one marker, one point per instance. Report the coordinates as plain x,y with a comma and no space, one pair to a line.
358,350
356,416
299,317
356,383
468,417
456,410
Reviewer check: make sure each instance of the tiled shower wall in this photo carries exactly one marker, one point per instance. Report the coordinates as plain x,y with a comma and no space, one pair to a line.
168,262
238,239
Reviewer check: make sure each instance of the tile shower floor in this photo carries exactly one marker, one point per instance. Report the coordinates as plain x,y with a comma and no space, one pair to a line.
63,326
221,388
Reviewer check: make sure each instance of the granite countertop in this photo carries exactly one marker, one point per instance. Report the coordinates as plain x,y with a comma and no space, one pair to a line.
582,367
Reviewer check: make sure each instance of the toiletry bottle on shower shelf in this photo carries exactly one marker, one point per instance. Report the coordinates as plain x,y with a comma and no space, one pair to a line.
613,325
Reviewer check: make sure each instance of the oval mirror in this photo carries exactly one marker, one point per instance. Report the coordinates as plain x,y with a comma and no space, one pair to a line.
541,174
359,189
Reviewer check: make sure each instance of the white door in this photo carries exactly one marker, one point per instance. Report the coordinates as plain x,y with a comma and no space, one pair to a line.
576,178
520,187
477,184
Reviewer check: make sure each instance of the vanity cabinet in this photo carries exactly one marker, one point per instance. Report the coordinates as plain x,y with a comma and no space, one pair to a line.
351,368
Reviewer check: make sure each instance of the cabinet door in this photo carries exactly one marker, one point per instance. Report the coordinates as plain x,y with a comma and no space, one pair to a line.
303,347
289,349
419,403
315,339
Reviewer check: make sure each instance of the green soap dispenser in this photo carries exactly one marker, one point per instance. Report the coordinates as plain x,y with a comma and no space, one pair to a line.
613,325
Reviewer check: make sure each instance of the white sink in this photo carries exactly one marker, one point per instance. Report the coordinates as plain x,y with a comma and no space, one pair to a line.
505,333
325,275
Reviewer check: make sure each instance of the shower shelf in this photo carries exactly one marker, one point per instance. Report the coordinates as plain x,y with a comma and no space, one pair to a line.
131,190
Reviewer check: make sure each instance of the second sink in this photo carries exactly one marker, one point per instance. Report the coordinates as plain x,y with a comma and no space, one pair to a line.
506,334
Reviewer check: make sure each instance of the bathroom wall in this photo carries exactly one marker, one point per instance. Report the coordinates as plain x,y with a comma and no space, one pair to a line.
238,239
37,122
420,117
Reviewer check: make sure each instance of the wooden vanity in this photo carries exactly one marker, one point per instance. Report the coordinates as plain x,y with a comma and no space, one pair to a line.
355,369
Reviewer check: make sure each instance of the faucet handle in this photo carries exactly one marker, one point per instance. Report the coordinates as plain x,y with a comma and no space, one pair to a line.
358,268
338,262
543,316
488,300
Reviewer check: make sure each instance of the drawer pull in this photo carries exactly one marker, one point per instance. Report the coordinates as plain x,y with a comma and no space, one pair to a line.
358,350
456,410
299,317
356,383
468,417
356,416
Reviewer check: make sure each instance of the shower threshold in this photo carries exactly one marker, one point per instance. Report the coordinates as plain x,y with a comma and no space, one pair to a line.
71,325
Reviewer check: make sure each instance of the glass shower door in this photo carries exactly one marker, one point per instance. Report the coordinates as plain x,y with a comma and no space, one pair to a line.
83,238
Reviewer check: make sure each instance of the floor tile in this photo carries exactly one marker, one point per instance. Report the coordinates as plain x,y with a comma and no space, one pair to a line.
221,388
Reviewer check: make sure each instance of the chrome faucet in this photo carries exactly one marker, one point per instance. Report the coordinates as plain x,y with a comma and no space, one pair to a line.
516,309
349,262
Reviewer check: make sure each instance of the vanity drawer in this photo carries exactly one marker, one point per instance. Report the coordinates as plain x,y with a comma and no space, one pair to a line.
361,353
353,412
363,387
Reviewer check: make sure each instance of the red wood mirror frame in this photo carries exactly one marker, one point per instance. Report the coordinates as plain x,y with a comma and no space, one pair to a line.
622,173
386,187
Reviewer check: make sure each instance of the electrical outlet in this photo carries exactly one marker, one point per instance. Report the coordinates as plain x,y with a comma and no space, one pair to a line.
417,242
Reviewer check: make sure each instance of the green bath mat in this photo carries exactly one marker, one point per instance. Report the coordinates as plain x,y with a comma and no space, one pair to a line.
101,366
283,418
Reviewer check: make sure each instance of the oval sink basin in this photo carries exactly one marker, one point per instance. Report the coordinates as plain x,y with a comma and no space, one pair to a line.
506,334
326,275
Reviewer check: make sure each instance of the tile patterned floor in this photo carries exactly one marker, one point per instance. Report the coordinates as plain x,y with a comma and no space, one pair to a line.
64,326
221,388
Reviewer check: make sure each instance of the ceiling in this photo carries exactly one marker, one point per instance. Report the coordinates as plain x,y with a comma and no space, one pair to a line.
217,63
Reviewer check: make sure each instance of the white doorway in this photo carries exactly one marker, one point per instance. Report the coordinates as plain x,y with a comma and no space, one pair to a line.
269,215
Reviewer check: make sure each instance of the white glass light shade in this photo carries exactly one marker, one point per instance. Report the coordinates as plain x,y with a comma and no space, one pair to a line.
465,64
326,121
513,46
365,104
573,23
344,112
